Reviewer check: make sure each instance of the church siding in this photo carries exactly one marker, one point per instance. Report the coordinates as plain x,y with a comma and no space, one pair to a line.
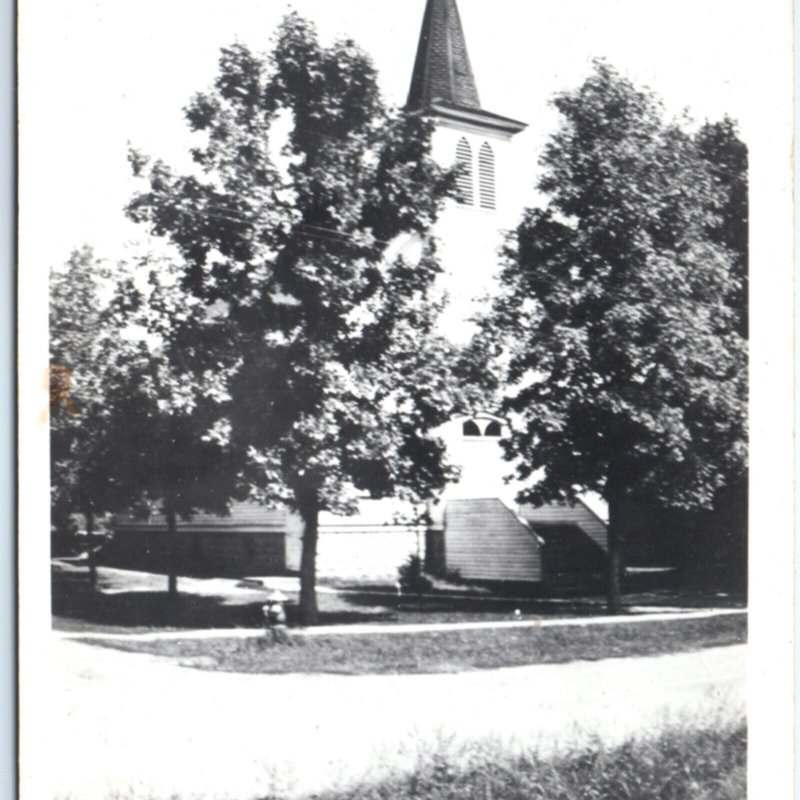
484,540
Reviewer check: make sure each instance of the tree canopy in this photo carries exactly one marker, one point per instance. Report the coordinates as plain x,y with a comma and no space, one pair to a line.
291,232
78,423
131,425
727,160
626,361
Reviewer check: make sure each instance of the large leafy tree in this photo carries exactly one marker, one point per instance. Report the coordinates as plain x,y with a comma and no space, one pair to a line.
627,363
291,229
80,453
131,425
166,417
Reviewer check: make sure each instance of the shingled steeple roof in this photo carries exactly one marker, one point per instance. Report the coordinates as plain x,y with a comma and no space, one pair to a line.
442,72
443,81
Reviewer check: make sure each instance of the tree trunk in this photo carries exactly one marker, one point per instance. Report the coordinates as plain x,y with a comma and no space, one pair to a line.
615,542
172,547
90,549
309,513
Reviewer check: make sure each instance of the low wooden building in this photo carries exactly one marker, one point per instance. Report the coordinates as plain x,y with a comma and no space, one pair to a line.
254,541
251,540
474,539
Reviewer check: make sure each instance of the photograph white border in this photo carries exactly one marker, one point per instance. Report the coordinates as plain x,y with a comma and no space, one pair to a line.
772,527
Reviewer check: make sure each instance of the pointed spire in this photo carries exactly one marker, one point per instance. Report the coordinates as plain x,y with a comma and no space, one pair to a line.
442,72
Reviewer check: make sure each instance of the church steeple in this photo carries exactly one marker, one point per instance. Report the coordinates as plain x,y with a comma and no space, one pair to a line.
442,72
443,82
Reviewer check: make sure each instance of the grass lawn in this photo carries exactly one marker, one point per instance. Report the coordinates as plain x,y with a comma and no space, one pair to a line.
679,765
446,651
130,602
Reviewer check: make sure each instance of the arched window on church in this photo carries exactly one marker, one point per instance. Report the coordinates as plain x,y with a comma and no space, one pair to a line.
493,429
466,190
470,428
486,177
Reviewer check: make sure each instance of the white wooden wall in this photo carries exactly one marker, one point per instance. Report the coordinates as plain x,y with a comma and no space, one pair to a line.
367,554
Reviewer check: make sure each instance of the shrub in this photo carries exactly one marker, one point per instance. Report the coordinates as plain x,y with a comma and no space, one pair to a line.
411,577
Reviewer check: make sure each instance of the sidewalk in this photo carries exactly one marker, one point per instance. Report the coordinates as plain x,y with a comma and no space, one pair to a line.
390,628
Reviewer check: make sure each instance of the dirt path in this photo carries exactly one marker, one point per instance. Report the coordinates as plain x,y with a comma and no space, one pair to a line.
143,728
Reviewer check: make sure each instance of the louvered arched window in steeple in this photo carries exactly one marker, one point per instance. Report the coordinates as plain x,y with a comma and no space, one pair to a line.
486,177
494,429
465,180
470,428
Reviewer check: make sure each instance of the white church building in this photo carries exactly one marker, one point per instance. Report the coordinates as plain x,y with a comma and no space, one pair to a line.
475,530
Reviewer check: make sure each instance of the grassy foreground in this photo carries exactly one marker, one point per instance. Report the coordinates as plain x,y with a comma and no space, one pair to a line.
446,651
680,765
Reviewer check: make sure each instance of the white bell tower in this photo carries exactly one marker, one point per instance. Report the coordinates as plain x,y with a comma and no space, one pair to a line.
477,141
470,229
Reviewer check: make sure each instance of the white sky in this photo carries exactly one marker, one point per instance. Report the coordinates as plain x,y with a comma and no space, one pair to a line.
96,74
